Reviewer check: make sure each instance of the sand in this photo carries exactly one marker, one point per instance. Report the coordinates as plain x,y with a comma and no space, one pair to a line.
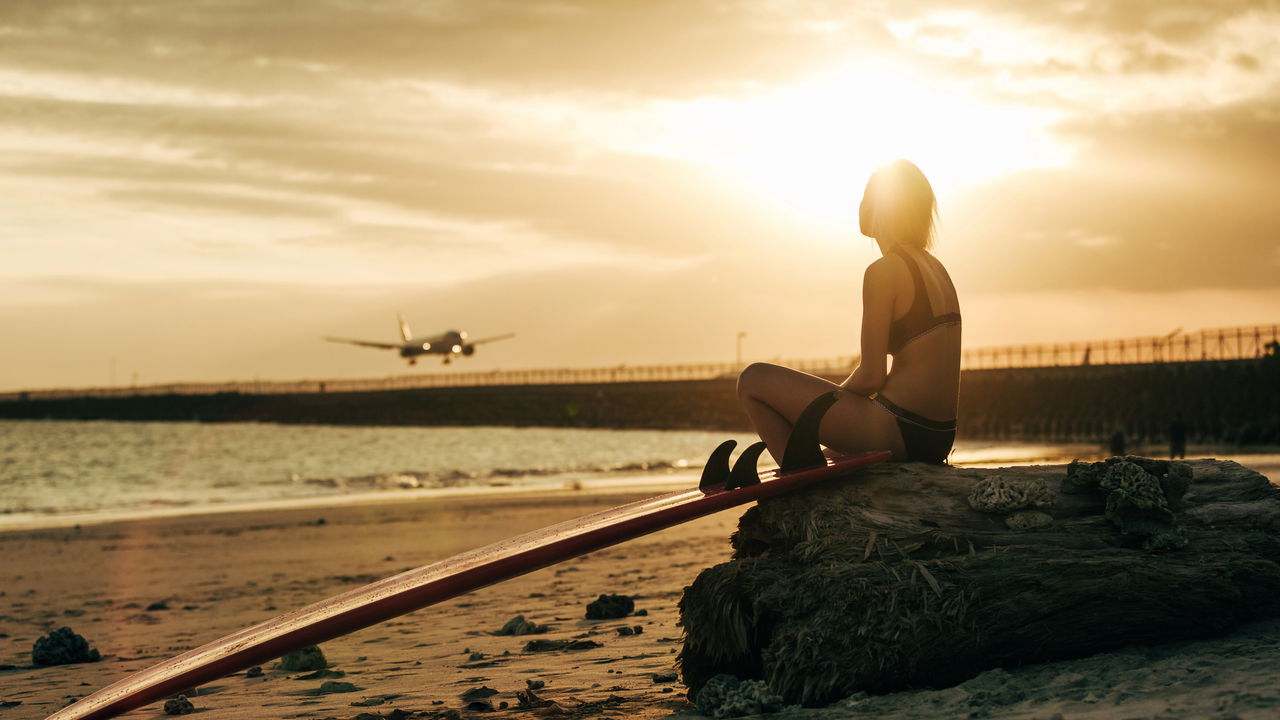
208,575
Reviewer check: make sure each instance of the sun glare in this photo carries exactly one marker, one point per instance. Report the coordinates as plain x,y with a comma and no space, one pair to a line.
811,146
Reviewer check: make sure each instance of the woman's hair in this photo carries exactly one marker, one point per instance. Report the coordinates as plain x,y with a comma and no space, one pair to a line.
899,205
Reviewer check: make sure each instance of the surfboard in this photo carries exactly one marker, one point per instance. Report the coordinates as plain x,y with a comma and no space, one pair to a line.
415,589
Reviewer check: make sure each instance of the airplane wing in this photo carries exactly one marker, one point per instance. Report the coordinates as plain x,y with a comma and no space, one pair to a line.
366,343
491,339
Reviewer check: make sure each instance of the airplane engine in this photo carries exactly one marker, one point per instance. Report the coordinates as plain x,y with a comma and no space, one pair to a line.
468,350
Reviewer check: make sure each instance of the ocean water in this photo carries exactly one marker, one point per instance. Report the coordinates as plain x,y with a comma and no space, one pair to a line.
53,469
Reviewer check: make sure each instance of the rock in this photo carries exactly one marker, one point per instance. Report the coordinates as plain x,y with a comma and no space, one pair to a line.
547,645
336,686
665,678
62,647
895,579
527,699
178,706
478,693
253,672
305,660
610,607
519,626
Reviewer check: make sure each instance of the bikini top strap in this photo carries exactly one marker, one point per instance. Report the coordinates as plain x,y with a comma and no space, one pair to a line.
917,281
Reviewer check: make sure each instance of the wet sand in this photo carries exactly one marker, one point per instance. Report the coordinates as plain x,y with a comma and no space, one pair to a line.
144,590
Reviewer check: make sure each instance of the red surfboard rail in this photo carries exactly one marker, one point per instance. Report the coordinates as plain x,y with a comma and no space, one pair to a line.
430,584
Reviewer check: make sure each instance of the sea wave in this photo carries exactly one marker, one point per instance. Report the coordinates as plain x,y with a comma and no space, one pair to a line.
410,479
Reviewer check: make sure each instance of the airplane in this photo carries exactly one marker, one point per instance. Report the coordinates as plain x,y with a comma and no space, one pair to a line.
449,343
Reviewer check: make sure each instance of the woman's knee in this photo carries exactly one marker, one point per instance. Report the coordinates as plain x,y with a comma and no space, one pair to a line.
753,377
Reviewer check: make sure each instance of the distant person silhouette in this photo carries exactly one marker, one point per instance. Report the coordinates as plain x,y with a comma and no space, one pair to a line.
1177,438
1117,442
910,311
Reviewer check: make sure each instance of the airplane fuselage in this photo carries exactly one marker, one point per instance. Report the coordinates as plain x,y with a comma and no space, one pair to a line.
448,344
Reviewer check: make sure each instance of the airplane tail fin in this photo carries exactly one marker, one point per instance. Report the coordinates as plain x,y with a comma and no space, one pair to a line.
405,333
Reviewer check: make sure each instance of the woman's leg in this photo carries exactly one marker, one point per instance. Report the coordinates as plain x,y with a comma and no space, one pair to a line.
774,397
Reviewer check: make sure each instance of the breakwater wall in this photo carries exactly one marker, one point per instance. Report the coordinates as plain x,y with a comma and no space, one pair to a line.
1226,401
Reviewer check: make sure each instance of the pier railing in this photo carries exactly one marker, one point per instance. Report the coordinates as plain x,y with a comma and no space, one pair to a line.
1203,345
1236,343
532,376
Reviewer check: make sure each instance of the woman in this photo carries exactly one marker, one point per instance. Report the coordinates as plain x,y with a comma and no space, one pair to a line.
909,311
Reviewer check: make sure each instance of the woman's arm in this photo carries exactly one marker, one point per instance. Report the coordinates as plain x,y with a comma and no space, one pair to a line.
877,315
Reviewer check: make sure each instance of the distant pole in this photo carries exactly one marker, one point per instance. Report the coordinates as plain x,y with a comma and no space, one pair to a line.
740,336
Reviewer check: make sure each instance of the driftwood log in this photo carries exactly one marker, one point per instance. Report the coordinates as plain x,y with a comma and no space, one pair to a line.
915,575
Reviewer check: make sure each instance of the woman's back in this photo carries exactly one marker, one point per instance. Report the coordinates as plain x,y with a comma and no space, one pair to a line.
925,336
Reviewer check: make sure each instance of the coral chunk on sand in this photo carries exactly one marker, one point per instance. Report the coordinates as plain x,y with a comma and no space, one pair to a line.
307,659
1000,494
62,647
610,607
725,696
519,626
178,706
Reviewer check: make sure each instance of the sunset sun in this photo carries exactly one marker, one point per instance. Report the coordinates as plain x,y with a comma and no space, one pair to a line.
810,146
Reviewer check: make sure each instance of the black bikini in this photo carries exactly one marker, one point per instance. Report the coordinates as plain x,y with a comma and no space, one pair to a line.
924,439
919,319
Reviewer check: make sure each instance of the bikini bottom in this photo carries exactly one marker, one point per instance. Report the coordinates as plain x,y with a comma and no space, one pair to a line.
925,440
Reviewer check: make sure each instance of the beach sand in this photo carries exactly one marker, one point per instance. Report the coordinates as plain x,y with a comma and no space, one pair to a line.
144,590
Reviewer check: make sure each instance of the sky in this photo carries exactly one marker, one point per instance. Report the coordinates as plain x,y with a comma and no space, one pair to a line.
203,190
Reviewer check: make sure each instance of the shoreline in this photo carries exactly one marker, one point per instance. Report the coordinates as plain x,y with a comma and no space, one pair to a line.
636,486
1264,459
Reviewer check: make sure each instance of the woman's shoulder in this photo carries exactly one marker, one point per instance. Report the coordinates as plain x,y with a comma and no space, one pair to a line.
885,268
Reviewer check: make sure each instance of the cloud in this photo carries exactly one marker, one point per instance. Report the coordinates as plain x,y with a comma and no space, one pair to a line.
500,167
1173,20
629,47
221,202
1092,57
1185,199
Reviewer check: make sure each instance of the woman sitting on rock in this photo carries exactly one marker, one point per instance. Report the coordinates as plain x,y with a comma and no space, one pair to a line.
909,311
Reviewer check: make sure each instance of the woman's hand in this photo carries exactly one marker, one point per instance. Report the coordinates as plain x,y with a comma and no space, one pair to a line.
863,382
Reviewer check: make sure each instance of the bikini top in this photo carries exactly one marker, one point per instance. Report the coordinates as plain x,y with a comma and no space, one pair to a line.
919,318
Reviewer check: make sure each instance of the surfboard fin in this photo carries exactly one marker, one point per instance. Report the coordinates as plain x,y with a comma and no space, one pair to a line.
716,471
744,471
803,448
